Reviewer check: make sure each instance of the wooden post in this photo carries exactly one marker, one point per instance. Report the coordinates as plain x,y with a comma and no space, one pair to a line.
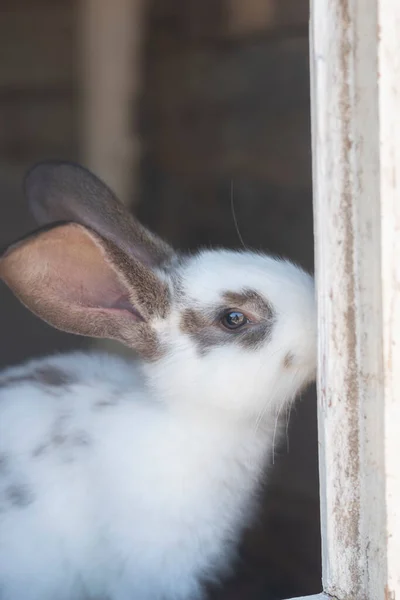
111,34
355,61
111,51
250,16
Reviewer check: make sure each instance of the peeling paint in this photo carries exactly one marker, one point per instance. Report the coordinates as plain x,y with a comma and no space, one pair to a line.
354,158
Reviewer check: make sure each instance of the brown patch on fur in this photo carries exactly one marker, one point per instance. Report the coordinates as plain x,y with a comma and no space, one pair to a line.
62,438
100,404
193,321
46,376
149,293
176,280
49,375
253,337
7,381
19,496
112,399
81,438
288,360
147,343
201,329
58,439
3,462
40,450
207,331
251,300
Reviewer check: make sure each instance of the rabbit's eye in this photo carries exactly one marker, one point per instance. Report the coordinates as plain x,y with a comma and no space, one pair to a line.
234,320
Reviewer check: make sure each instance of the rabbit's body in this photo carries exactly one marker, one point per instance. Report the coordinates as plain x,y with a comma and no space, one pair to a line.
133,480
122,499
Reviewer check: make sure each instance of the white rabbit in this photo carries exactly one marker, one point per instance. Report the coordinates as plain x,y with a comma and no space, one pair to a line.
134,481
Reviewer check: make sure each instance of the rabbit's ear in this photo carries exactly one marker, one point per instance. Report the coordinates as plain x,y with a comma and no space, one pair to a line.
78,282
60,191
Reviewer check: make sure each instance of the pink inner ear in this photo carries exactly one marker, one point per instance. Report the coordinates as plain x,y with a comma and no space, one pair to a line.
86,279
123,303
67,277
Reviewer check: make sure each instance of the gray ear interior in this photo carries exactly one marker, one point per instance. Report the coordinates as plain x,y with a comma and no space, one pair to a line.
62,191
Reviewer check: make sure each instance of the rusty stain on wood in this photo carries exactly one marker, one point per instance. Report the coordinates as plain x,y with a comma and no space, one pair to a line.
389,594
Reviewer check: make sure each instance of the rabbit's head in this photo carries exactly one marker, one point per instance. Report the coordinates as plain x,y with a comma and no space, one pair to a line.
224,328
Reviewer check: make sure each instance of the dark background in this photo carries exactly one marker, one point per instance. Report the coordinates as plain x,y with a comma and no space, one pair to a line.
223,107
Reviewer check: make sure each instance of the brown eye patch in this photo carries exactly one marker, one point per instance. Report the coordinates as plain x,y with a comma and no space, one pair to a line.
205,329
250,300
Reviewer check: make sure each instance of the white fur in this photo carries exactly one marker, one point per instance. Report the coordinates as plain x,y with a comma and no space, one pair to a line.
144,498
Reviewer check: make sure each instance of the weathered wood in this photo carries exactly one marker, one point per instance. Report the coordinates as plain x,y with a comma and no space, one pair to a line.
111,35
356,166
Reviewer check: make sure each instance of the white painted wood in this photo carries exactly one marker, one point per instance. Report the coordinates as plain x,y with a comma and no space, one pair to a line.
111,50
355,63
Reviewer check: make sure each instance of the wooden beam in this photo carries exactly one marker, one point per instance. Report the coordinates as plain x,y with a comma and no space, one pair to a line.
110,50
111,53
356,170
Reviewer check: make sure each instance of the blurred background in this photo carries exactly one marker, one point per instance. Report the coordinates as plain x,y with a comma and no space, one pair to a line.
197,113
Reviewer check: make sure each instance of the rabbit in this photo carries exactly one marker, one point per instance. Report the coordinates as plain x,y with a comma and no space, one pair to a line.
134,479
